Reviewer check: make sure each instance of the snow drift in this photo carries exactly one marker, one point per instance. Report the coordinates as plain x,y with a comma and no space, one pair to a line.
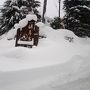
53,63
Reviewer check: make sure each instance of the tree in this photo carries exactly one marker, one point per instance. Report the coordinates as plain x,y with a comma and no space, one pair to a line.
56,23
71,3
44,10
59,7
15,10
77,18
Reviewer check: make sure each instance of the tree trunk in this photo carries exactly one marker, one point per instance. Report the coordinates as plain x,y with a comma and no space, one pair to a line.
44,11
59,7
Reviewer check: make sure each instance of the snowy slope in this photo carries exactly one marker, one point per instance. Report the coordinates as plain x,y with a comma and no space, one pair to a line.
55,62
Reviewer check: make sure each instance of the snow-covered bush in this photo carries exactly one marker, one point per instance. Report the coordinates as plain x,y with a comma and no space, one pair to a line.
56,23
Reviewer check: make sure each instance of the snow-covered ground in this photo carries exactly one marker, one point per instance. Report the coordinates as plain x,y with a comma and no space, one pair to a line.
55,64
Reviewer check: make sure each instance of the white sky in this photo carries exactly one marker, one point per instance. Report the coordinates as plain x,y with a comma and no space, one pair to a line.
1,2
52,7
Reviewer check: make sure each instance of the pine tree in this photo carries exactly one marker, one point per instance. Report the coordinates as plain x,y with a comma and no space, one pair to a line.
71,3
77,18
56,23
15,10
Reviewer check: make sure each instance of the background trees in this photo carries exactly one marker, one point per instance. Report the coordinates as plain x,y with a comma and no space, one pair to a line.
15,10
57,23
77,18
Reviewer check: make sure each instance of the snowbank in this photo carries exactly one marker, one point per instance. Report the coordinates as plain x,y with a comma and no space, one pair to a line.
53,63
57,35
55,49
46,31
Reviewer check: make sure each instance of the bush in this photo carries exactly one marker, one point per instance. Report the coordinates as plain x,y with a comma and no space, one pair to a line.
56,23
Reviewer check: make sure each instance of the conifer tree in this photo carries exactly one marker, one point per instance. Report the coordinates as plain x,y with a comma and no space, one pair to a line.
56,23
77,18
15,10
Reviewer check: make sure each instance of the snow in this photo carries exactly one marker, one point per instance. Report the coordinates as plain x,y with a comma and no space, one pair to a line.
16,26
22,7
84,6
15,7
55,64
11,34
22,23
31,17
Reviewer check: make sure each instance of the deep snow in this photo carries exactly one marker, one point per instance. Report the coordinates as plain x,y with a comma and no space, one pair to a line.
55,64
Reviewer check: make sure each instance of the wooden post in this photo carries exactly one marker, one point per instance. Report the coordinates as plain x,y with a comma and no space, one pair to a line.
44,10
59,7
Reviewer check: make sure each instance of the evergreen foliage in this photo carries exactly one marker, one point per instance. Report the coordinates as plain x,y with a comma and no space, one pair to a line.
77,18
71,3
55,24
15,10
